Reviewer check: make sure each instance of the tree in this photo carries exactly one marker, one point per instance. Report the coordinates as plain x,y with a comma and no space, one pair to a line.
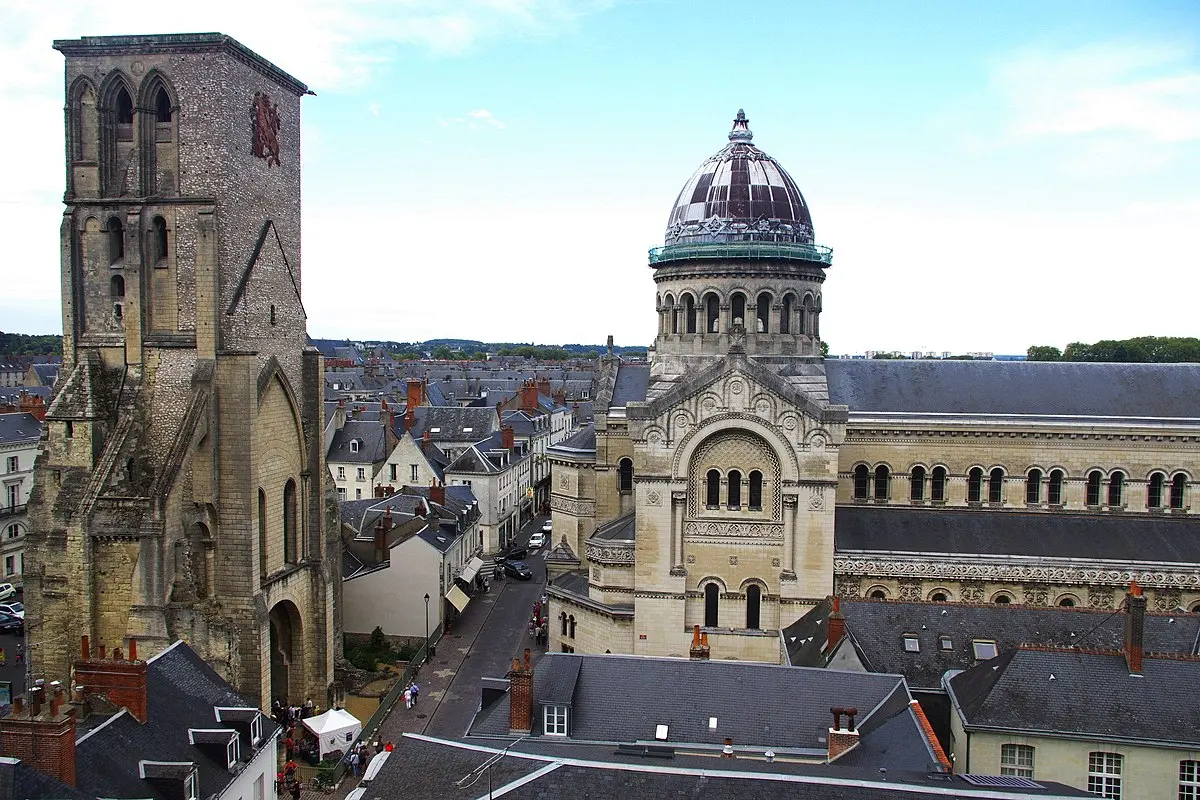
825,349
1040,352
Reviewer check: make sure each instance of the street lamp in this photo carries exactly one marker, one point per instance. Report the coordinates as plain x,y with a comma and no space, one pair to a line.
427,627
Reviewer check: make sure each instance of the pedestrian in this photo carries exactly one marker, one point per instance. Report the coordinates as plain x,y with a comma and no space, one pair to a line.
295,790
20,653
389,747
289,744
532,629
354,762
416,691
408,697
308,707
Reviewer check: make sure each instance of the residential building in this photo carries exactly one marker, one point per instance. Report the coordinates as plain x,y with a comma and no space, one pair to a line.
167,727
1118,723
499,471
181,489
19,436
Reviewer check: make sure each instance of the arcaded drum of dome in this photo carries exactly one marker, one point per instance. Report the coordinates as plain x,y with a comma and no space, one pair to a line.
740,194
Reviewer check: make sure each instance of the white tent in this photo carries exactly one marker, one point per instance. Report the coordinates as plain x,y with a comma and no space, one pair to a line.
335,730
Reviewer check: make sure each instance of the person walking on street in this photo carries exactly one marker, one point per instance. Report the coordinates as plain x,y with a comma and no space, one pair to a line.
416,692
408,697
294,791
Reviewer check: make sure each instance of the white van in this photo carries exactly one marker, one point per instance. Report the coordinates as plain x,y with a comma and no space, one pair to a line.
374,767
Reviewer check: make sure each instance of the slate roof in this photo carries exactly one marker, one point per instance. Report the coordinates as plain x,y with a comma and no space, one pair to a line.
1015,387
581,442
1114,537
46,373
454,424
19,428
632,380
790,709
30,784
372,445
622,529
182,692
1090,694
876,629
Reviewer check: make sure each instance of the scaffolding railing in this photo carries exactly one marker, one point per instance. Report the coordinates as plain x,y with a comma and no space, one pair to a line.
795,251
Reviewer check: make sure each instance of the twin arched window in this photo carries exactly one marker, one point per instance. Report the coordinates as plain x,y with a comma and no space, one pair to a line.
712,603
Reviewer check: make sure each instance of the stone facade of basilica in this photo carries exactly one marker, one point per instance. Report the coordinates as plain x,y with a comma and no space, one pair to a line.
740,477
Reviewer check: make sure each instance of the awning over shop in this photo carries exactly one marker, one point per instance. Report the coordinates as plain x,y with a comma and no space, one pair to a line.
472,569
458,598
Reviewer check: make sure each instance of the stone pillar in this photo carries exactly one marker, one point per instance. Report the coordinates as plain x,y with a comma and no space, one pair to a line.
790,502
678,503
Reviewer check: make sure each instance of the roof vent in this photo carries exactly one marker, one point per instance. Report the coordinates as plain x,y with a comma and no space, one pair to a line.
660,732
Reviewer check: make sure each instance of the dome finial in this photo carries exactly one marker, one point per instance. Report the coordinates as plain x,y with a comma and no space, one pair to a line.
741,128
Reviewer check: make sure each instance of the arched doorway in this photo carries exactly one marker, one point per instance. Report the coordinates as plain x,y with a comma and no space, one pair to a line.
287,653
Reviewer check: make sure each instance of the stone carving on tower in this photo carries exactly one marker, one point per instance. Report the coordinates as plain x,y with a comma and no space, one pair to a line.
181,490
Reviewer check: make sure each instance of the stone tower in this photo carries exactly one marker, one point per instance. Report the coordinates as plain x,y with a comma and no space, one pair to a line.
181,488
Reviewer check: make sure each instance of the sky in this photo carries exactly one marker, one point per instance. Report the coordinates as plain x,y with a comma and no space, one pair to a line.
989,176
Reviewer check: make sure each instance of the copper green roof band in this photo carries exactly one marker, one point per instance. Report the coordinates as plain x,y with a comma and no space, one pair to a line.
789,250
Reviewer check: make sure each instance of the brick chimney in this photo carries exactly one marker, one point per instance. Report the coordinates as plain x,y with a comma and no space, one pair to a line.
42,736
837,624
520,696
121,680
437,492
506,437
543,385
414,394
529,397
1135,625
842,738
699,648
382,525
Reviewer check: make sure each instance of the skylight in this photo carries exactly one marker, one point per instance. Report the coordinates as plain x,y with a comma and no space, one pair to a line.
911,643
945,643
984,649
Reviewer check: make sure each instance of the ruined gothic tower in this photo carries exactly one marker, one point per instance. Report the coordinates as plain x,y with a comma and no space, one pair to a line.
181,488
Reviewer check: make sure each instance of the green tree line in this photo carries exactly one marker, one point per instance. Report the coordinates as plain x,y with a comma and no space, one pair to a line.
1140,350
25,344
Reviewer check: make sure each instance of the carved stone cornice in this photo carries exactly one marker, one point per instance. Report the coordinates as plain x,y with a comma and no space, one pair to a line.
772,531
1018,569
619,554
570,505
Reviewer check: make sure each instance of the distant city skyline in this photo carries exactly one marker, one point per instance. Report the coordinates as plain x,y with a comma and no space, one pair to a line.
989,178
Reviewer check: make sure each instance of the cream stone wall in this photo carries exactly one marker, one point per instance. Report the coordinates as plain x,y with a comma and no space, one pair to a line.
1148,773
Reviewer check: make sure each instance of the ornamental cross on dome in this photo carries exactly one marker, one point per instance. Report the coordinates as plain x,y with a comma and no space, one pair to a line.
264,119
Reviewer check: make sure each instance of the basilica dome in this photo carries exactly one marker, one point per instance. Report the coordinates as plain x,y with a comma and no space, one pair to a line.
739,194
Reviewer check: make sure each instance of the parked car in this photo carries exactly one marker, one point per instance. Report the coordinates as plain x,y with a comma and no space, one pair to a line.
11,624
538,539
547,527
7,590
16,608
518,570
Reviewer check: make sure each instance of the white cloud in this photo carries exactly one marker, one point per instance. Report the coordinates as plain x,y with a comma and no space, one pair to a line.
1150,92
373,108
474,120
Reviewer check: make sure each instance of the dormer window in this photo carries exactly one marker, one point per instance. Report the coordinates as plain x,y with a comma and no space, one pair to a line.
945,643
554,720
354,445
984,649
232,751
256,730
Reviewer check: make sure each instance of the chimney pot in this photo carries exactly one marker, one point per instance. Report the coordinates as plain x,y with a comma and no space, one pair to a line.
101,652
117,654
851,713
727,750
85,650
133,649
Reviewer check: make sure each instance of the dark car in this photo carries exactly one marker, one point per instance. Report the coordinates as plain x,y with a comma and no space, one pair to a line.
518,570
11,624
514,553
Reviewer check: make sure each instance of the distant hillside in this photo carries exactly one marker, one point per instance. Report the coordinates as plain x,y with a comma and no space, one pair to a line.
24,344
459,348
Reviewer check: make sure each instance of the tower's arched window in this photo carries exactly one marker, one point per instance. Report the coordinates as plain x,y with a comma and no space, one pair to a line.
753,606
937,485
996,486
571,626
737,309
712,600
1054,491
158,234
1116,490
785,316
712,312
562,617
162,106
1033,487
1177,484
764,312
974,485
289,522
712,494
672,315
625,471
116,240
689,313
124,113
116,287
1154,490
262,533
756,480
882,482
1093,488
805,316
861,479
735,489
916,484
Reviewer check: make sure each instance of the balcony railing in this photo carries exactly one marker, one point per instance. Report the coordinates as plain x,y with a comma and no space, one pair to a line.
8,511
793,251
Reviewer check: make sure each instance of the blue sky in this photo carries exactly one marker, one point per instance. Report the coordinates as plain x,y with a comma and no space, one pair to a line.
989,177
